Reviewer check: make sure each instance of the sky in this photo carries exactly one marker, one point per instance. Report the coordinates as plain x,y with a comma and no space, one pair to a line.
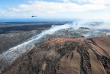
55,9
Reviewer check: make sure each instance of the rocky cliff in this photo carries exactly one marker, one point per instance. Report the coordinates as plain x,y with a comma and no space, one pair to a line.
65,56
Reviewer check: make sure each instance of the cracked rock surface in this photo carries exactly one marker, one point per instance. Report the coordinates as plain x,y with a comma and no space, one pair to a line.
65,56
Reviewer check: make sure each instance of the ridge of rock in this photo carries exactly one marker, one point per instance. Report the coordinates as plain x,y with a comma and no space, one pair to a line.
65,56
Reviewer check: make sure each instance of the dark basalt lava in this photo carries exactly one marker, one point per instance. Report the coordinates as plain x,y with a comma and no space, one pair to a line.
65,56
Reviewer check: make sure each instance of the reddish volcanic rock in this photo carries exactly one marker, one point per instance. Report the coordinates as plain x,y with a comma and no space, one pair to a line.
65,56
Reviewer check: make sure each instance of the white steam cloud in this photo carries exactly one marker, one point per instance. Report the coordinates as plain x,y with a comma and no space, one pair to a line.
7,57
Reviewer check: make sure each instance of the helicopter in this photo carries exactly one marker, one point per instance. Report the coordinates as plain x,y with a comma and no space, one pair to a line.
33,16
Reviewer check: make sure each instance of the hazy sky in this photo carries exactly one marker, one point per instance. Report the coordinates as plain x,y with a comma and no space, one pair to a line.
95,9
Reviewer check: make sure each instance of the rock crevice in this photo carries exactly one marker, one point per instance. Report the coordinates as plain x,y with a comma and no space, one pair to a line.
64,56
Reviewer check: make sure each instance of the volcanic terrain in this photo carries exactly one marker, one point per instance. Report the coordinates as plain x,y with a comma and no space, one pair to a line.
65,56
14,33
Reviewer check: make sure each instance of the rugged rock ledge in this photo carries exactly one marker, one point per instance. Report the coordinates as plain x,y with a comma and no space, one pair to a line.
65,56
